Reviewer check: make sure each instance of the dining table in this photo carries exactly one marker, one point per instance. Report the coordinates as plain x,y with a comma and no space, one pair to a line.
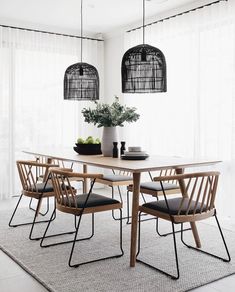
136,168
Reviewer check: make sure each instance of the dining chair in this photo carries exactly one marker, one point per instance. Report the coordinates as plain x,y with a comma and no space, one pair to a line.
33,188
116,179
153,188
68,201
196,203
61,163
40,173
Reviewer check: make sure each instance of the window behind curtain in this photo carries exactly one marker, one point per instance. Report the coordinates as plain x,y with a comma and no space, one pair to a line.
34,114
196,116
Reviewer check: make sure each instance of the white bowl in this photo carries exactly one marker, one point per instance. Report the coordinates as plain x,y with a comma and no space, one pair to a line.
134,148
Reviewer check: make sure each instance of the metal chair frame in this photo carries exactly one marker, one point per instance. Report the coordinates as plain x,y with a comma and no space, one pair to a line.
29,184
155,194
111,184
206,192
77,212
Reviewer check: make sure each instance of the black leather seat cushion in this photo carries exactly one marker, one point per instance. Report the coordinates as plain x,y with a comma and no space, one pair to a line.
174,205
40,188
116,178
156,186
94,200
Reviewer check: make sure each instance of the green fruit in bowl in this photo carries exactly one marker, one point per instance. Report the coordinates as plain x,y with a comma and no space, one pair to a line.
90,140
80,141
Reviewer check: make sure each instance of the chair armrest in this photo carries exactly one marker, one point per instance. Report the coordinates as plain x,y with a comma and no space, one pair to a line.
69,173
185,176
35,163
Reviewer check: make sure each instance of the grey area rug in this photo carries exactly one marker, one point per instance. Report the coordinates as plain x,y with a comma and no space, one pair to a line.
49,265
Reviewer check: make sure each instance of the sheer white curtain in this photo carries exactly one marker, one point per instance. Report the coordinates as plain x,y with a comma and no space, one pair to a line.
196,117
33,114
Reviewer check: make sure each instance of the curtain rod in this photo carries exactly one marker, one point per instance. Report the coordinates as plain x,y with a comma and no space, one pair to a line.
178,14
53,33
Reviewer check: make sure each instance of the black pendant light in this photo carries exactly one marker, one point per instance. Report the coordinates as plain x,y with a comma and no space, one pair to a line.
143,68
81,80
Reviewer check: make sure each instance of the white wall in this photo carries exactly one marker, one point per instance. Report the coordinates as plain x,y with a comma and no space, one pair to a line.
113,52
196,116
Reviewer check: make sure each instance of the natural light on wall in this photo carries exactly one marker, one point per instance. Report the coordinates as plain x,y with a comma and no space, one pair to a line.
196,116
33,111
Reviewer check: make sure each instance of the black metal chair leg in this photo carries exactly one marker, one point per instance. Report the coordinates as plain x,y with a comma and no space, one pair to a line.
22,224
122,252
175,250
121,201
112,188
142,195
30,203
97,260
128,209
44,234
42,214
139,221
75,221
176,255
34,220
64,233
167,233
75,238
120,194
138,248
225,245
205,252
52,218
13,214
113,198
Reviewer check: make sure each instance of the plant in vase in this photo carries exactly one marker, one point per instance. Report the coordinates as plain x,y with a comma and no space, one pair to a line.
109,116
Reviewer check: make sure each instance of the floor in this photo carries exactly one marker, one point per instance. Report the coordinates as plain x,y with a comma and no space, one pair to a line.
14,279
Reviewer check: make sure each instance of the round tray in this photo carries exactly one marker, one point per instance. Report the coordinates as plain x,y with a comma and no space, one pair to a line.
132,157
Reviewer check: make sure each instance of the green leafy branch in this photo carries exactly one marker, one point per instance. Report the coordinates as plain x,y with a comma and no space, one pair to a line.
106,115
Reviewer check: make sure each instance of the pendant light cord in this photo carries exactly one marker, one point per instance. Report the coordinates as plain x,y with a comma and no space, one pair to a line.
143,21
81,31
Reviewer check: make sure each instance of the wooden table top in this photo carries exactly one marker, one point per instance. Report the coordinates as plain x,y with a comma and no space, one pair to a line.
152,163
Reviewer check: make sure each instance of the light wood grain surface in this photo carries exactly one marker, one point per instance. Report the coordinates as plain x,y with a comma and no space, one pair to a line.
136,167
150,164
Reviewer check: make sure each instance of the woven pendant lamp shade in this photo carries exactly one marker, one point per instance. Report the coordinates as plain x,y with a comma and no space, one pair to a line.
81,82
143,70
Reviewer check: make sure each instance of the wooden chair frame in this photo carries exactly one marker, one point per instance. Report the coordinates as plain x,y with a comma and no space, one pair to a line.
29,181
196,203
61,164
117,184
40,176
65,193
156,194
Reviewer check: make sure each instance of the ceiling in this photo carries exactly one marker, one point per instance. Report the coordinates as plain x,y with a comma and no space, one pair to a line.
99,16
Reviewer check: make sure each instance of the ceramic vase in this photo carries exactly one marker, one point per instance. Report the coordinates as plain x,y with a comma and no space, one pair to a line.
109,136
